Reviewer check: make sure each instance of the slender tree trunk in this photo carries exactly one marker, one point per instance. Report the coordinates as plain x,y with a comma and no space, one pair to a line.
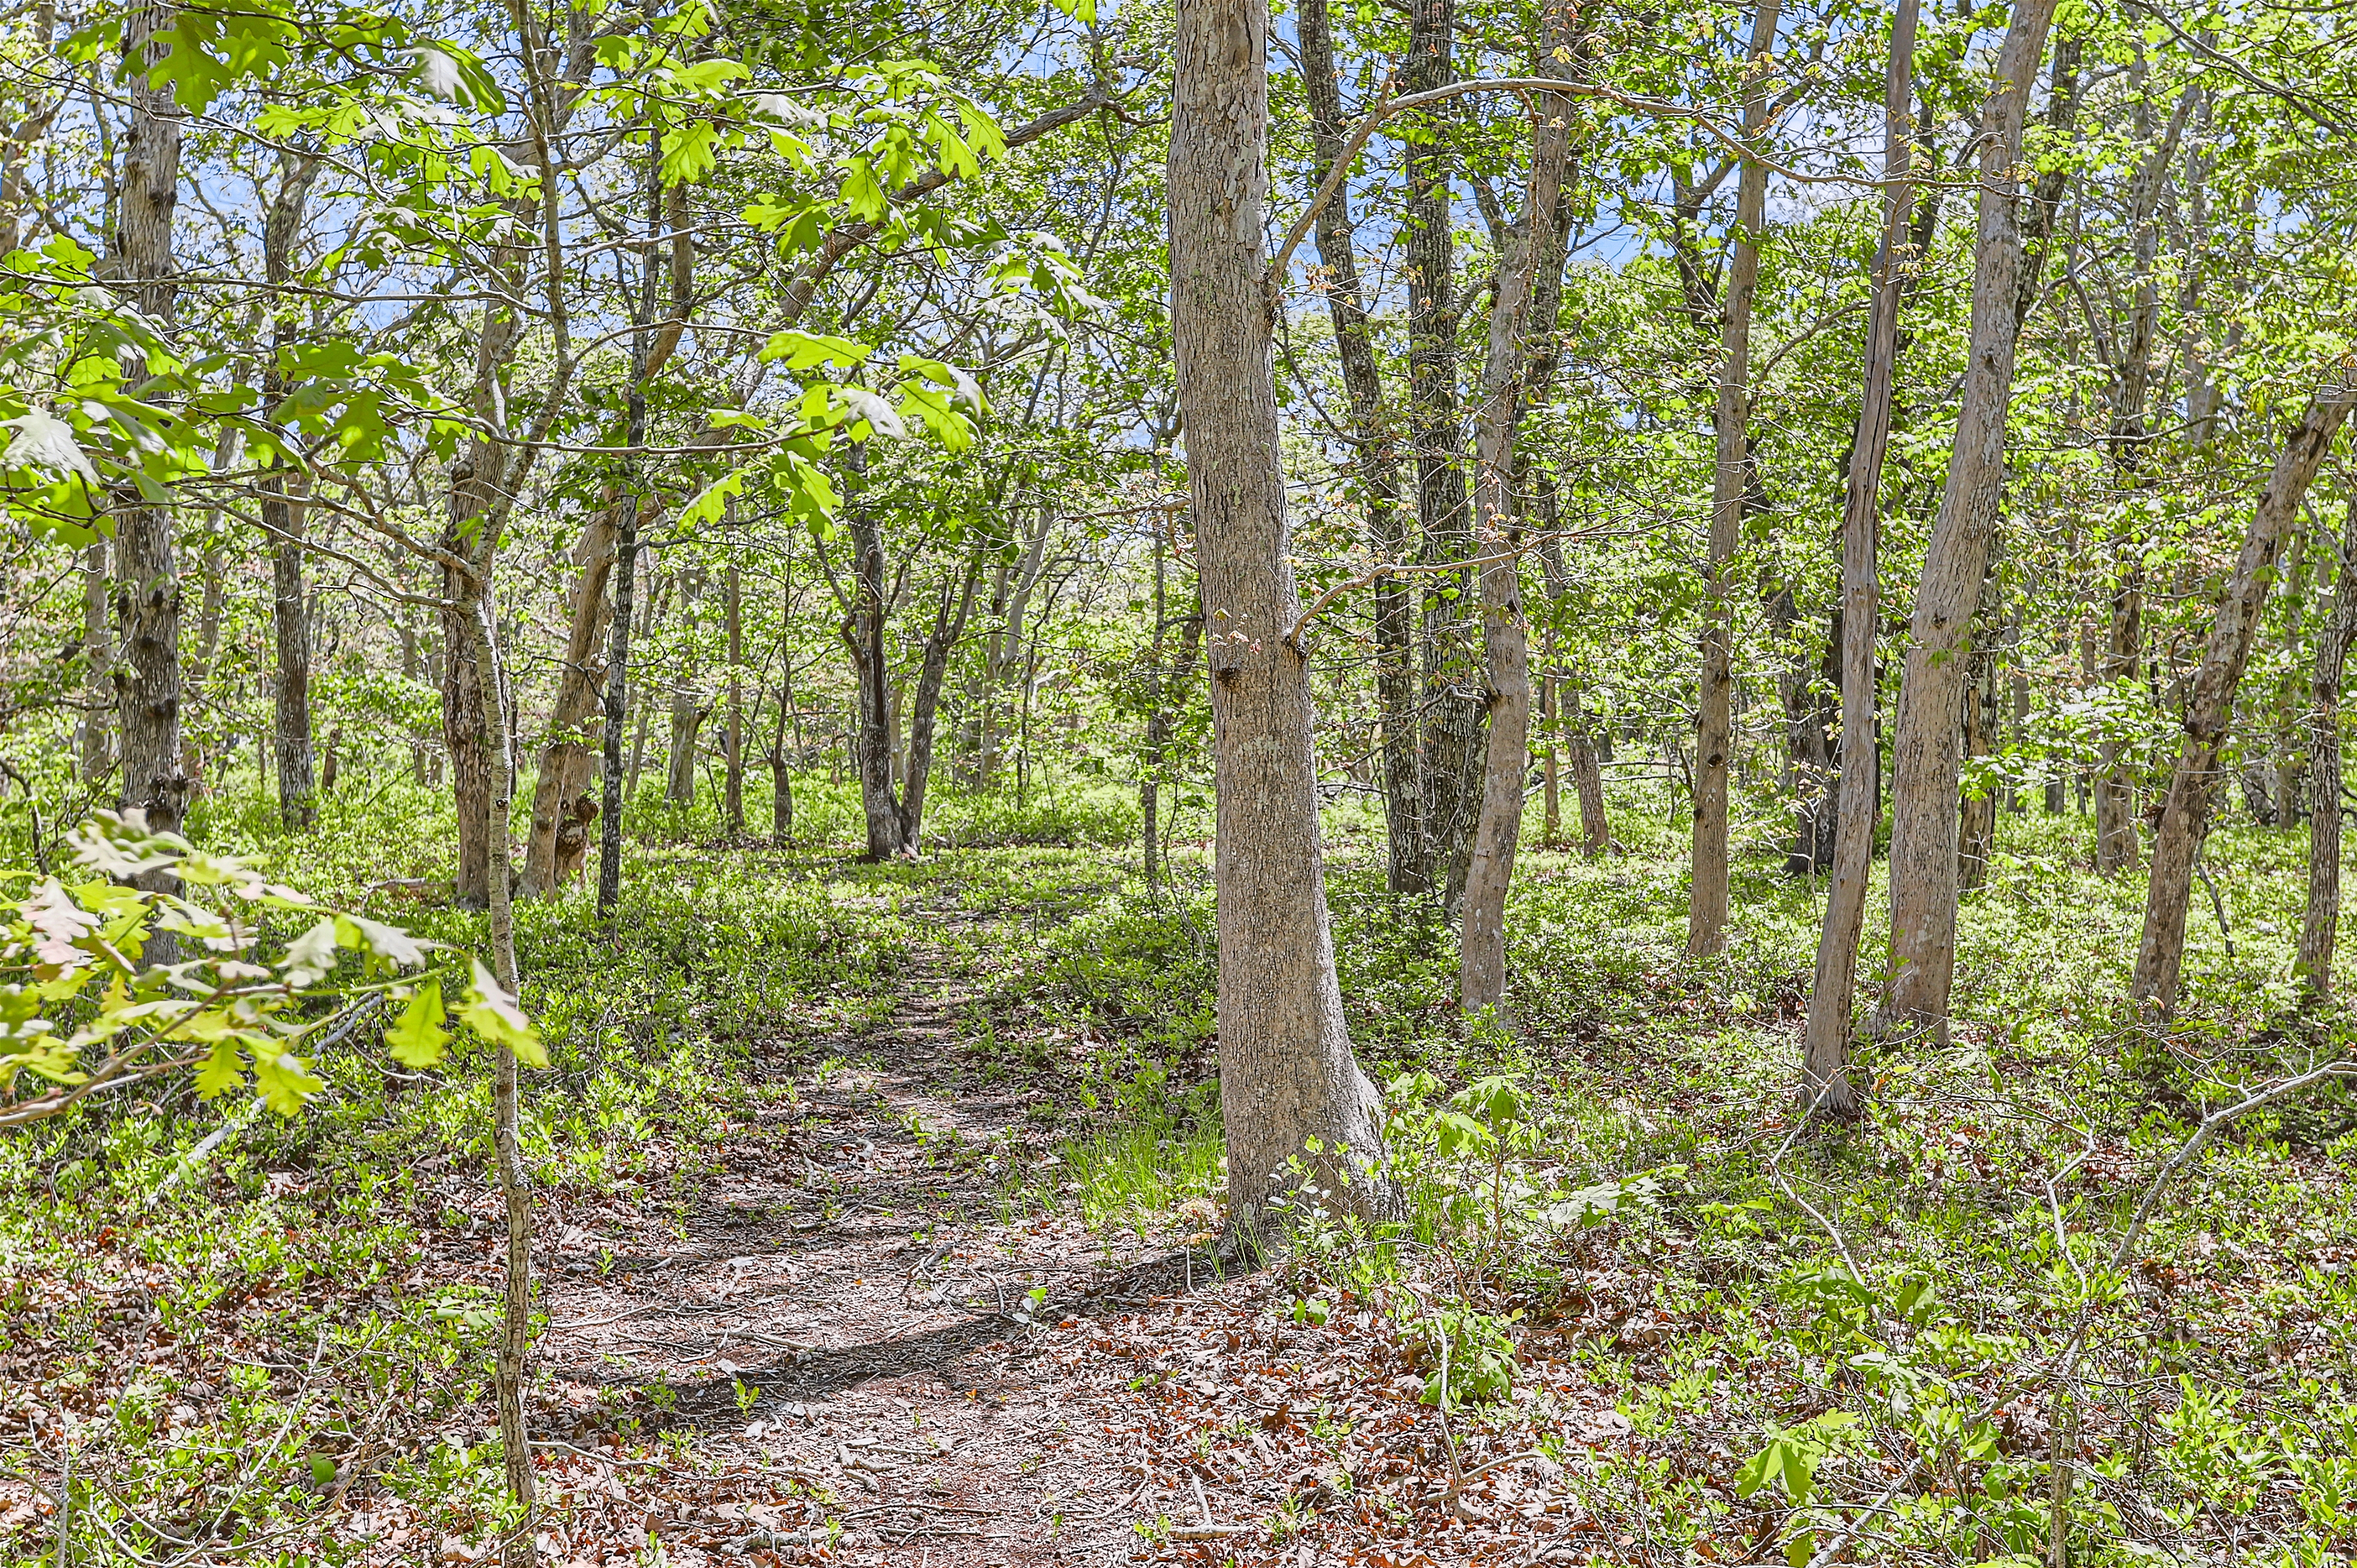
282,519
1824,1068
1587,778
2161,953
98,665
612,783
862,633
1482,977
560,804
2116,813
146,565
512,1365
1550,725
1976,821
1409,869
290,626
1288,1078
1454,684
782,778
2320,927
1926,757
734,801
1714,746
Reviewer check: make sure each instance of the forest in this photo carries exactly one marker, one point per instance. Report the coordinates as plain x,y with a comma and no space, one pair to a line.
1238,782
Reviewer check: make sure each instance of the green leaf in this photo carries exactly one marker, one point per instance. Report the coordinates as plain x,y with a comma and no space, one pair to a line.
418,1039
492,1013
311,955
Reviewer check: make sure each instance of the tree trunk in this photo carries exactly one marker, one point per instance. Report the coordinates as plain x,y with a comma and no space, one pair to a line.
1165,678
1287,1073
949,627
1003,648
734,803
863,634
1824,1068
1713,743
1482,977
561,809
98,666
688,711
2161,953
1925,758
146,565
1550,726
782,778
511,1363
282,520
1595,825
2320,927
1409,868
1976,820
1454,684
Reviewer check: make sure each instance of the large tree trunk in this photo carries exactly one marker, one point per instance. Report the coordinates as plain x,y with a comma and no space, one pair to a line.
1288,1078
146,565
1454,684
1926,758
1714,731
561,809
1409,869
2320,927
1481,971
2161,953
1825,1068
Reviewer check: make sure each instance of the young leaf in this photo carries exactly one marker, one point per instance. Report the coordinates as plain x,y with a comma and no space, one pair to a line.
417,1040
492,1013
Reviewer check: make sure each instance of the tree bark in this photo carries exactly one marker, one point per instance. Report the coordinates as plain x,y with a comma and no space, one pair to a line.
1713,732
1926,757
561,809
2115,813
1826,1088
2160,952
1594,824
688,711
98,666
1408,869
1481,962
1287,1073
733,802
1454,684
1165,679
949,628
282,520
2320,926
1976,819
511,1364
146,565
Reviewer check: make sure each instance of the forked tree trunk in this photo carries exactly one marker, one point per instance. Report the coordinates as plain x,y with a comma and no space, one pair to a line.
560,794
1926,758
2160,952
2320,927
146,565
1288,1078
1715,737
1825,1068
1489,872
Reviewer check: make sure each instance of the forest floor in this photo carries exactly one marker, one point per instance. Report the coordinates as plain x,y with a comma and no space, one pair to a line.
876,1225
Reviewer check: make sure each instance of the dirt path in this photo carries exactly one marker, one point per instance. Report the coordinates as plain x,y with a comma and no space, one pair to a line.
852,1311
